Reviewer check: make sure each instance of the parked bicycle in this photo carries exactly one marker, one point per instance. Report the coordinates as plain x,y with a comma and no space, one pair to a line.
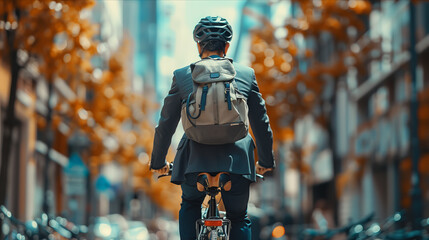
407,234
377,230
387,229
43,227
363,230
352,230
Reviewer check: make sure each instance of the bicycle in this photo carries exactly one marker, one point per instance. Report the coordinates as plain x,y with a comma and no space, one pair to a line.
378,230
353,230
213,224
39,228
408,234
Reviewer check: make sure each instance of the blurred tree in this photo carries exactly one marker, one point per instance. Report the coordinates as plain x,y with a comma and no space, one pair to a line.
57,38
292,76
117,120
298,61
49,34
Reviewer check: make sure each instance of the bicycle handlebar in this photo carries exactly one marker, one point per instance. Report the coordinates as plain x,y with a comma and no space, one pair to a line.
170,171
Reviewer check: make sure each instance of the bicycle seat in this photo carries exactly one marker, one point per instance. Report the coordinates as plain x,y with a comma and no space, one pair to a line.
219,180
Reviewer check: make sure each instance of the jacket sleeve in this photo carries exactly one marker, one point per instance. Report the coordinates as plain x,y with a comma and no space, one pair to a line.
260,125
170,116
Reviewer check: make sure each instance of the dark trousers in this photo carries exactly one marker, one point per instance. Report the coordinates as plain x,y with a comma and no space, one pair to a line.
235,202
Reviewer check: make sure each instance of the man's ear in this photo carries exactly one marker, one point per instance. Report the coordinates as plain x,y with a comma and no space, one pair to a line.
226,47
199,49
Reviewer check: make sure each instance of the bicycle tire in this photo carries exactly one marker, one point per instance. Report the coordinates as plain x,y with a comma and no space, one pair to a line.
213,234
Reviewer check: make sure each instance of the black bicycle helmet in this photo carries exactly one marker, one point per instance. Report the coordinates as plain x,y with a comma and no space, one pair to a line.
212,28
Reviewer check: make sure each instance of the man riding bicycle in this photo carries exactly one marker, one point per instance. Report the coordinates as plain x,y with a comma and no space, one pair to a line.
213,35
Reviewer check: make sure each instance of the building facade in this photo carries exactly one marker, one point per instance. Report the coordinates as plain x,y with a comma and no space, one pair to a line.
377,116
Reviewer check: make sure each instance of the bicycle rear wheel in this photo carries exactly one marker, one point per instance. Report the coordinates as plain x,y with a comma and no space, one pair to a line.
219,232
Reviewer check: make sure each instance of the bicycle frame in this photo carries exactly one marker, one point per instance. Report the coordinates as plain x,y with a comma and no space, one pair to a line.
212,226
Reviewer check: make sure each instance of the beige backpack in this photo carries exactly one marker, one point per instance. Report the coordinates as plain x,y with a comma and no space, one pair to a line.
215,112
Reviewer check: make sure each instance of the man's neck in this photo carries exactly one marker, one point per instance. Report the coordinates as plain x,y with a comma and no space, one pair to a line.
208,54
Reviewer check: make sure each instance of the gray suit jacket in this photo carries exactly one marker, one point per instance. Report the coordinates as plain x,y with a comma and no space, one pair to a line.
194,157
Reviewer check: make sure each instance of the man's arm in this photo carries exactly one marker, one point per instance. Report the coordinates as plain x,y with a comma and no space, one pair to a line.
170,116
260,126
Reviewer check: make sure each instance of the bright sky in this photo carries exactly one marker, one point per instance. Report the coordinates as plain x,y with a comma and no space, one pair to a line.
185,14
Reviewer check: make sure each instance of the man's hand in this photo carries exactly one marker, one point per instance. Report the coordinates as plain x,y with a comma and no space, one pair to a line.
163,170
261,170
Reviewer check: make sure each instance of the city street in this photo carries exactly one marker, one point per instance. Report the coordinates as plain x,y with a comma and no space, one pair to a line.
86,85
